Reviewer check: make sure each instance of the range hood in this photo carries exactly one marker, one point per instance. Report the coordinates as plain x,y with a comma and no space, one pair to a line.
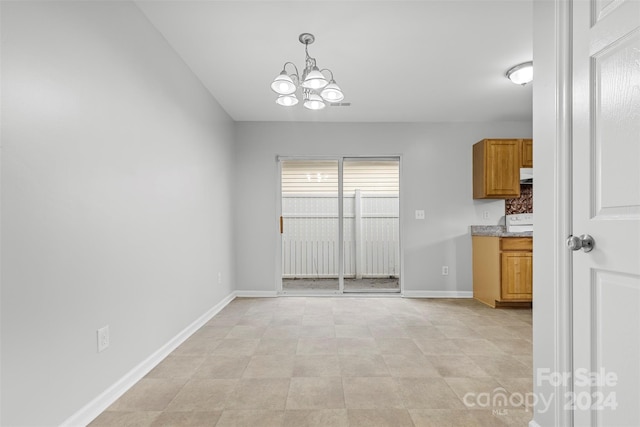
526,175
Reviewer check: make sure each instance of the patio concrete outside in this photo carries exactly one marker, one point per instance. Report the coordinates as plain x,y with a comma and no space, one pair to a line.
389,284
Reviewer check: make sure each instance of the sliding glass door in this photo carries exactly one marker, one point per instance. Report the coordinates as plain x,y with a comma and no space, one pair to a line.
371,224
310,225
339,225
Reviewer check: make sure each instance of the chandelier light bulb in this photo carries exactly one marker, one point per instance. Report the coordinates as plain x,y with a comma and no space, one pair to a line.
283,84
287,100
314,102
314,80
332,92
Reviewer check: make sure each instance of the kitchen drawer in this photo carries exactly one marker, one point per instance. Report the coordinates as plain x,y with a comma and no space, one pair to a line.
516,244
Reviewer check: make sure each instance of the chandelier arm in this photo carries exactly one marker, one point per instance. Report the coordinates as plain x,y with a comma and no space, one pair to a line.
297,74
330,72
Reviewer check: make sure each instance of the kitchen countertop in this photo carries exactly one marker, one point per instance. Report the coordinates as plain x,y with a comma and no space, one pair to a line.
497,231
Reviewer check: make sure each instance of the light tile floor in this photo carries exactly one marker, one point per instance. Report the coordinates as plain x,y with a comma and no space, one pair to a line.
351,361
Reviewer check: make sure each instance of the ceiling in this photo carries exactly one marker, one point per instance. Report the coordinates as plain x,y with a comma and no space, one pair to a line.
396,61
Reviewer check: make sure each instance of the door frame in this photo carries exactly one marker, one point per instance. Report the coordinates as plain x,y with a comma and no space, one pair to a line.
278,238
552,131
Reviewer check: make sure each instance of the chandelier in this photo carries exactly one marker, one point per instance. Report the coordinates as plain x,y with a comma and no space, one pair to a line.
316,90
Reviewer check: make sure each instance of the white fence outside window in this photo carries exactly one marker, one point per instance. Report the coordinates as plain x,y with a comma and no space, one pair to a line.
310,247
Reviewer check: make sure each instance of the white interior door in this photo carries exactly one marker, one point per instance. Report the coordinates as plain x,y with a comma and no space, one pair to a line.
606,206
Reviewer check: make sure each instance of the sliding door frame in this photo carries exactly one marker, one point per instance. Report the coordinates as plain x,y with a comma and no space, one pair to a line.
278,240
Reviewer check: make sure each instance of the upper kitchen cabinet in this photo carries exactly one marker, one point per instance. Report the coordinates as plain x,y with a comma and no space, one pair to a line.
496,169
526,153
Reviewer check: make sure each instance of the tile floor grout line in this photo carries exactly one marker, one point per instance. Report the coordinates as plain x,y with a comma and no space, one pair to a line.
376,346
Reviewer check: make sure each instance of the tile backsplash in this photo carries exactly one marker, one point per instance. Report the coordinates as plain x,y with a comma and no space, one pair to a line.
523,204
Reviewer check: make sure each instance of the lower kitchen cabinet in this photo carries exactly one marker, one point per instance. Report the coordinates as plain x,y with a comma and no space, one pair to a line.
502,270
517,275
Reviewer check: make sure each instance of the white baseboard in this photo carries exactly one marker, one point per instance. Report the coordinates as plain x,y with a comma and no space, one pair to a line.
406,294
437,294
94,408
256,294
310,293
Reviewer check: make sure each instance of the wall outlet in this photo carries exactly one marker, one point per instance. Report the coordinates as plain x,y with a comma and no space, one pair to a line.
103,338
445,270
485,215
219,278
419,214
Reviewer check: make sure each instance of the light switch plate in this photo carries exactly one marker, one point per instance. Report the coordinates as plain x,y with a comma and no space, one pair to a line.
419,214
103,338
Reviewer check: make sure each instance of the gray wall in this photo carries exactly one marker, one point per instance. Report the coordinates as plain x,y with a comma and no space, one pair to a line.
436,177
116,201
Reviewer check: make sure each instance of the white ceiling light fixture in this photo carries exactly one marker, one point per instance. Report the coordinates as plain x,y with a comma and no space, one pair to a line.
521,74
316,89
